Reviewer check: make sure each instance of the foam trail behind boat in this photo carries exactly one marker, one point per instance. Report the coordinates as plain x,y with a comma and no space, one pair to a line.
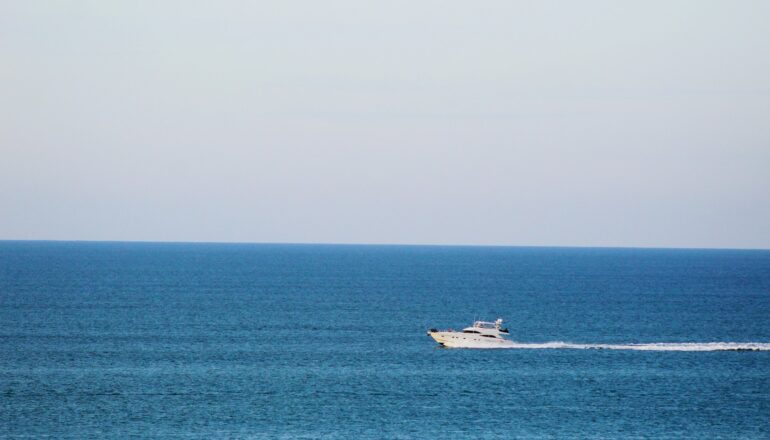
660,346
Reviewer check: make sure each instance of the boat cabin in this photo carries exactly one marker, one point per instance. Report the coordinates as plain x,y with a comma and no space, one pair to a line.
487,329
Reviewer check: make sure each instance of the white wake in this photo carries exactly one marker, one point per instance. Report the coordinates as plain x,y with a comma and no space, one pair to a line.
660,346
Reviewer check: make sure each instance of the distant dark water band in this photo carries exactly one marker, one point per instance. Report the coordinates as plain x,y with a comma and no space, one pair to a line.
663,346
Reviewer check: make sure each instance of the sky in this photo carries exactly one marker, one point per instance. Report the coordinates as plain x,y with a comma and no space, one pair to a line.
537,123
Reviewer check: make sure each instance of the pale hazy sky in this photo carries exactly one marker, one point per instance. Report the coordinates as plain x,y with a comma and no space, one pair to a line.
576,123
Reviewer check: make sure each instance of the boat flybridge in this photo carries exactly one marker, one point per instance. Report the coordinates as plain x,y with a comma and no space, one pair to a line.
481,334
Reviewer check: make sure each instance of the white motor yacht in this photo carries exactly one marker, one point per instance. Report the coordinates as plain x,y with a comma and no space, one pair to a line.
481,334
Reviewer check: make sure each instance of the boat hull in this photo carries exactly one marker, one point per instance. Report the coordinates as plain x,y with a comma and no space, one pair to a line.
468,340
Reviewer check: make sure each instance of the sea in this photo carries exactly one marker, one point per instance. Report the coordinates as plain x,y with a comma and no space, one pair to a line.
272,341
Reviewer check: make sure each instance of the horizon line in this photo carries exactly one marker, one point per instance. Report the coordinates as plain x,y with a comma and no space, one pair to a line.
383,244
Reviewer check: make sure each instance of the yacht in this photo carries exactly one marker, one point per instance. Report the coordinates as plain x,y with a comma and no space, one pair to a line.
481,334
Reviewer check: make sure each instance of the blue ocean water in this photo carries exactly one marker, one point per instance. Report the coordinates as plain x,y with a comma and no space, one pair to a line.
117,340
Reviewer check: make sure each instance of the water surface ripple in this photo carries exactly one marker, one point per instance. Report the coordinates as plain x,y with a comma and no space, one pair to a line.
166,341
